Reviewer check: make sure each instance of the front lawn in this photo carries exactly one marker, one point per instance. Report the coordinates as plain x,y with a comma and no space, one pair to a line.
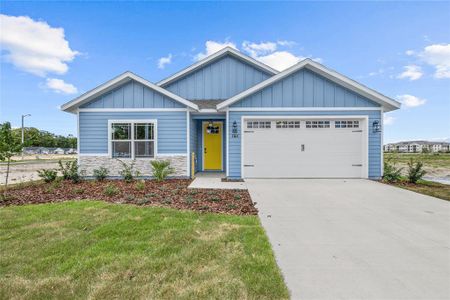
93,249
429,188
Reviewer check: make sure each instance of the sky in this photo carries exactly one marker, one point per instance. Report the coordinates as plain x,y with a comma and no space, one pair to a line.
51,52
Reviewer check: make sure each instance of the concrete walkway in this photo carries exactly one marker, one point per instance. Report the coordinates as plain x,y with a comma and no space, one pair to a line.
213,180
356,239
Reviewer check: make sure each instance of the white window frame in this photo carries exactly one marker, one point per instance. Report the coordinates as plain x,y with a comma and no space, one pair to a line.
132,122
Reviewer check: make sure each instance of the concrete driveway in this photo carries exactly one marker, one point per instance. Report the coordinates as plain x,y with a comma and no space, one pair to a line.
356,239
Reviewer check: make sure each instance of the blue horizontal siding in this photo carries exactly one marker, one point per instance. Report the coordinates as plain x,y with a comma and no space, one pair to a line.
374,143
94,130
132,95
305,89
218,80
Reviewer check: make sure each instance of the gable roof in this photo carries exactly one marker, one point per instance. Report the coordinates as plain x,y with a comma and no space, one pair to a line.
213,57
114,83
387,103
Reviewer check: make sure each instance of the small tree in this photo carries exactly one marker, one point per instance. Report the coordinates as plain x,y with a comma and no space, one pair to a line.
415,171
8,148
391,172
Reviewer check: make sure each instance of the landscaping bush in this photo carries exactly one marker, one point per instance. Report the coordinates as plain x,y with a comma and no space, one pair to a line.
391,172
161,169
69,171
127,171
101,173
48,175
140,185
111,190
415,171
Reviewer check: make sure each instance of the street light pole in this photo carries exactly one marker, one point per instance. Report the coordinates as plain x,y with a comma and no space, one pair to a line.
23,132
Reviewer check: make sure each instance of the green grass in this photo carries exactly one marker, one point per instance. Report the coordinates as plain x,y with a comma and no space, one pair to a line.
433,160
91,249
429,188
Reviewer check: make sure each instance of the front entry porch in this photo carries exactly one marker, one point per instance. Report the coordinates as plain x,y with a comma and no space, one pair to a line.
213,180
208,143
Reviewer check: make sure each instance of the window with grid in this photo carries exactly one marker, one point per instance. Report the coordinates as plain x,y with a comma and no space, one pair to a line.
258,124
318,124
346,124
288,124
132,139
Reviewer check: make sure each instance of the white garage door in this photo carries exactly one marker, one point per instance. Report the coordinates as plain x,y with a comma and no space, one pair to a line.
304,148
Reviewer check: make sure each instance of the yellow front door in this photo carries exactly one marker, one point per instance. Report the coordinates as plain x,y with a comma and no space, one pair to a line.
212,146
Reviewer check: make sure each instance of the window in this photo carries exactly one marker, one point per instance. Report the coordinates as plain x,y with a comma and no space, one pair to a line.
258,124
346,124
132,139
288,124
318,124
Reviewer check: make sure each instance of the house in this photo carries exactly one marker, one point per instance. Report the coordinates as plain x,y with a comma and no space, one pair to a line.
236,115
417,147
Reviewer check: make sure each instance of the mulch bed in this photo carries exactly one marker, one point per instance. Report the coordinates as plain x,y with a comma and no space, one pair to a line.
170,193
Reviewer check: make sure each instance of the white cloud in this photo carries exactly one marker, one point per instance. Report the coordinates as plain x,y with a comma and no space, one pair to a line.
163,61
280,60
412,72
212,47
410,52
255,49
34,46
438,56
411,101
388,120
59,86
285,43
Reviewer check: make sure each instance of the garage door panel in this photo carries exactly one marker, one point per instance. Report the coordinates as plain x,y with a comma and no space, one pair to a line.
327,152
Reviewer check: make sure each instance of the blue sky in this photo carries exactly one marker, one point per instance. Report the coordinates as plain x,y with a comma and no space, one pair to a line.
61,50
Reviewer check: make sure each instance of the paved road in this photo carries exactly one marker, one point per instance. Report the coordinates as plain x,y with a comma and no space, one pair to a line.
356,239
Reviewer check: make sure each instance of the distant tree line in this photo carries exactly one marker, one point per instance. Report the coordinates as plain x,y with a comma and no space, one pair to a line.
41,138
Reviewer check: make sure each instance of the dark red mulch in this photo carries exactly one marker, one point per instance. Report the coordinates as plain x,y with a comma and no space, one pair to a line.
171,193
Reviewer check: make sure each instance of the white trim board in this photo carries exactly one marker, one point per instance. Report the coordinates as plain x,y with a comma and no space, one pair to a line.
188,143
114,83
388,103
215,56
131,109
365,144
159,155
304,108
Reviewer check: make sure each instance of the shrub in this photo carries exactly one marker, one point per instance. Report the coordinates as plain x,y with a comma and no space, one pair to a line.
78,191
48,175
391,172
111,190
140,185
189,200
415,171
69,171
101,173
161,169
127,171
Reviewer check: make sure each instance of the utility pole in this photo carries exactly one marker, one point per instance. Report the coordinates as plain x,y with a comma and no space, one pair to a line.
23,132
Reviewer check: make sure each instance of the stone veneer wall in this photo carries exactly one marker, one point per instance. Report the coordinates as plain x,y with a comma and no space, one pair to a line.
90,163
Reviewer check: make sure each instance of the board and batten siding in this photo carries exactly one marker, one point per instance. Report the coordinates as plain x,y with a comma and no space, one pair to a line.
374,143
218,80
132,95
171,130
305,89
